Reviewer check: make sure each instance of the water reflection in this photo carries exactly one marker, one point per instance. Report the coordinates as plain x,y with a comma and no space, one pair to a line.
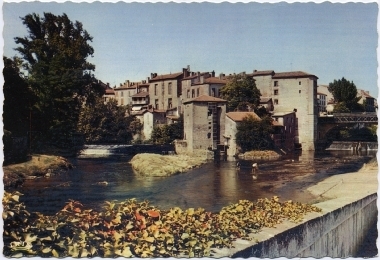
212,186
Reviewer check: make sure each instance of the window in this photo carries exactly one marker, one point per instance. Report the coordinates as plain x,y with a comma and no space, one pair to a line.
299,91
197,92
121,93
275,101
208,135
192,93
156,103
170,103
169,88
276,83
122,102
299,82
188,93
155,89
163,88
213,92
276,92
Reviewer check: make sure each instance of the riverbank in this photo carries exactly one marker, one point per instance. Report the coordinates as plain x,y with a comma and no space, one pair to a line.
260,155
38,165
353,184
164,165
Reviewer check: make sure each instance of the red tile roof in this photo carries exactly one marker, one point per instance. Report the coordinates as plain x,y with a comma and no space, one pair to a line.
239,116
141,94
206,98
215,80
167,76
110,91
292,74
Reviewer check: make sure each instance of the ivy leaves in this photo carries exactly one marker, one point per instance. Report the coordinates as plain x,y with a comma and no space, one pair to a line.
137,229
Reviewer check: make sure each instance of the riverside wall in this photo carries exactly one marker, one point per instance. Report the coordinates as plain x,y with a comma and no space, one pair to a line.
349,211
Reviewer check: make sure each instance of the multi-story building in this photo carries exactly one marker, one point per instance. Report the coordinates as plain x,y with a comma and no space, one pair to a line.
293,91
204,122
198,84
285,125
124,93
165,90
367,100
322,103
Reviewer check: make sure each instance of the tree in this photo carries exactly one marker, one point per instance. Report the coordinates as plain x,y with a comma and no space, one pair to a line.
107,123
55,56
240,92
345,95
254,134
18,98
168,133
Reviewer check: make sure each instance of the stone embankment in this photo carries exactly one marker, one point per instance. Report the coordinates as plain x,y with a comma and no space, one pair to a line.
37,166
165,165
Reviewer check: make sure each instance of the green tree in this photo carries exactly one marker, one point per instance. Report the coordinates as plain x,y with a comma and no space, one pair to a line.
240,92
166,134
18,98
254,134
107,123
55,53
345,95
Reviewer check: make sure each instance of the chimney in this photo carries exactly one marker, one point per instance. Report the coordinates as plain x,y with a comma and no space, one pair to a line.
213,73
185,72
128,83
108,84
254,71
147,79
151,75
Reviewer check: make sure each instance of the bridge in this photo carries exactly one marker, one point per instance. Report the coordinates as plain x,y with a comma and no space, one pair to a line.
339,120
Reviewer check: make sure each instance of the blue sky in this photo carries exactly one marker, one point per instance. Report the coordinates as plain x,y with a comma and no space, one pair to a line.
131,40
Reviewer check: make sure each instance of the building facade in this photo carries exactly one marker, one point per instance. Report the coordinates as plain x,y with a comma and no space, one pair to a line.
204,122
293,91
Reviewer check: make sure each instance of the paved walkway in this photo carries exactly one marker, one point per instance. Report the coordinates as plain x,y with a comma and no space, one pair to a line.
348,185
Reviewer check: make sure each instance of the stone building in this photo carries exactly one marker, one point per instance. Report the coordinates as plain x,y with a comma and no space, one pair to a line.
293,91
198,84
285,125
322,103
165,90
152,118
367,100
232,121
204,121
124,93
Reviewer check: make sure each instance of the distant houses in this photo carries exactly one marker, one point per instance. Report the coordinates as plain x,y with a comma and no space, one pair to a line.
293,99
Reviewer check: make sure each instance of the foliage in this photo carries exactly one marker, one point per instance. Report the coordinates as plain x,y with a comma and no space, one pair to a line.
254,134
107,123
358,134
345,94
165,134
55,53
241,93
18,98
132,229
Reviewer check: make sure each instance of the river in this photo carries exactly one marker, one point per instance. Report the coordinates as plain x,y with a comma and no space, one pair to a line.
212,186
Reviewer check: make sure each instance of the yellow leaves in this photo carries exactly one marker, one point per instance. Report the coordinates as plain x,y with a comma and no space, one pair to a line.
131,229
125,252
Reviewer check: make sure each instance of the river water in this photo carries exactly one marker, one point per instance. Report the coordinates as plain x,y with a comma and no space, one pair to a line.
212,186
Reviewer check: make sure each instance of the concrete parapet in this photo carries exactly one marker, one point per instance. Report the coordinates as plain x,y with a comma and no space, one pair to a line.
337,232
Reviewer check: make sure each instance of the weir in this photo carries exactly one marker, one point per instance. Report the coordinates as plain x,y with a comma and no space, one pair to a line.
350,146
93,150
